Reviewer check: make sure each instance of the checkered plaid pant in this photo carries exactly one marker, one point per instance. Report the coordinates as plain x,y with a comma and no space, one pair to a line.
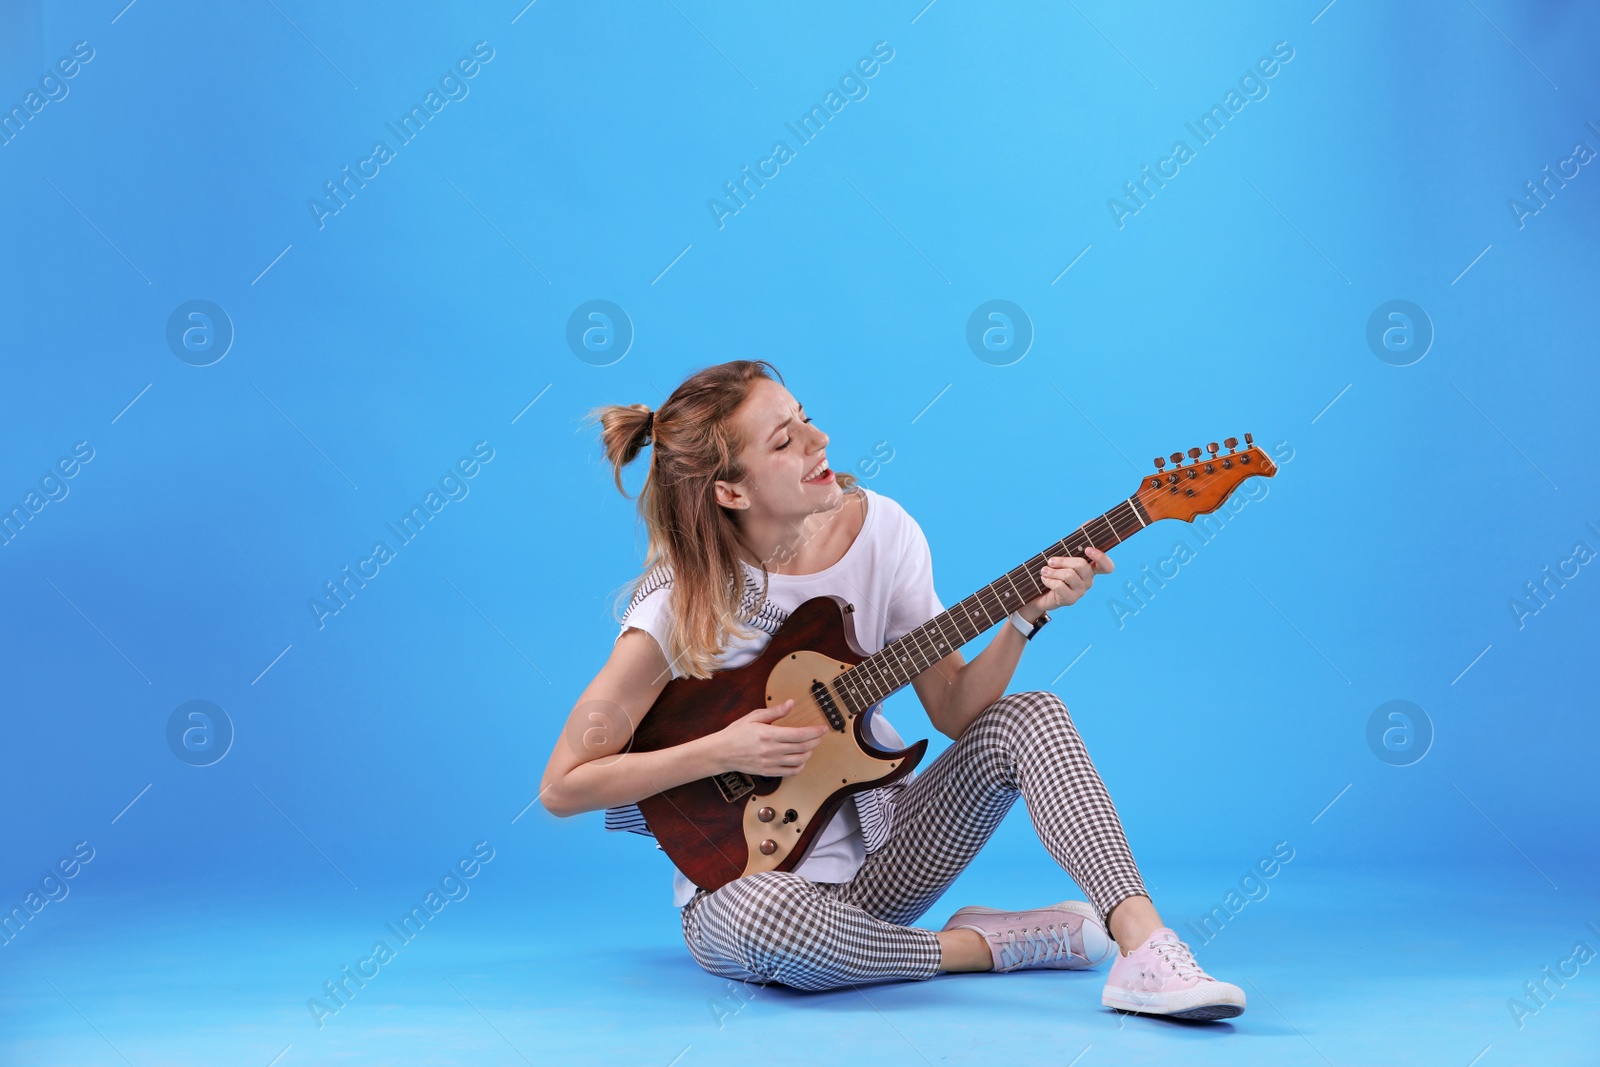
780,927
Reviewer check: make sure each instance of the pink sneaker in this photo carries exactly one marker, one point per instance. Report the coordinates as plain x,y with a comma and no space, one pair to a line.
1062,936
1160,977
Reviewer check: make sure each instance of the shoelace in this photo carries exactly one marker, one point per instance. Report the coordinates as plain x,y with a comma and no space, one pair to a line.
1034,947
1177,956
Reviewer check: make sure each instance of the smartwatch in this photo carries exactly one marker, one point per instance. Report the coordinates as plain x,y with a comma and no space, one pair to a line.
1027,631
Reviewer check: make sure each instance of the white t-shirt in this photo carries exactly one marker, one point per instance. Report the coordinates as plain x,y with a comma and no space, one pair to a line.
887,573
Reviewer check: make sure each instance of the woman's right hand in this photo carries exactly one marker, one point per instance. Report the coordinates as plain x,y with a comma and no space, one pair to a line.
753,745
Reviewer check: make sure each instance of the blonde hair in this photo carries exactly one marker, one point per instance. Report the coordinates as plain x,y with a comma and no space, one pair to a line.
693,445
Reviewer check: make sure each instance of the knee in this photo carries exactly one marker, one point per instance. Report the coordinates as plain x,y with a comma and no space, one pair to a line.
1019,721
1031,708
761,912
1047,704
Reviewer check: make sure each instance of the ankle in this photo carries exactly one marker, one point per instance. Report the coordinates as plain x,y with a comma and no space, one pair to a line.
1132,921
1134,936
964,950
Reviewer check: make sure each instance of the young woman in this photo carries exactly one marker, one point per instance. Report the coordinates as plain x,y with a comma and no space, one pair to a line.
746,521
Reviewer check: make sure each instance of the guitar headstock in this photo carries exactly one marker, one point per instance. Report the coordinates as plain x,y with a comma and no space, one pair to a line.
1201,486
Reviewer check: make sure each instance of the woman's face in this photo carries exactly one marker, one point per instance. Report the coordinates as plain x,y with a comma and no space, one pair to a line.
784,457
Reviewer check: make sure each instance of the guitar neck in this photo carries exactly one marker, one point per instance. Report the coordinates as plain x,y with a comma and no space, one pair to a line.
893,667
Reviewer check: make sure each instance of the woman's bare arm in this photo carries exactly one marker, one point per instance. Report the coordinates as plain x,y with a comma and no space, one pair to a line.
590,767
956,692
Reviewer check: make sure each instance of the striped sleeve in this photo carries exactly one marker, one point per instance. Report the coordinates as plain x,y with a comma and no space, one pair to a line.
873,809
647,610
627,819
650,609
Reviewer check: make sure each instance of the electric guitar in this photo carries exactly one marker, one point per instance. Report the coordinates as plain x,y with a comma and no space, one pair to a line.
734,824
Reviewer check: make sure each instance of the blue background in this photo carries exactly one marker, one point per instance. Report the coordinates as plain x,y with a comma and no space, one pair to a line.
374,349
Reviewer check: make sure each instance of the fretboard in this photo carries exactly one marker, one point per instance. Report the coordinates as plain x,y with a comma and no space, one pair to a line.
893,667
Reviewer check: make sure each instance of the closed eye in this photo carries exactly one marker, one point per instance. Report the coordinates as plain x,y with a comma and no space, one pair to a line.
788,441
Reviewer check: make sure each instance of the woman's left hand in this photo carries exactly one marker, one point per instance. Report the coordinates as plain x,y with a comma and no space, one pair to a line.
1067,578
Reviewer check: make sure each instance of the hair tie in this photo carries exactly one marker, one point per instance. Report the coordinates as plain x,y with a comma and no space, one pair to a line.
649,428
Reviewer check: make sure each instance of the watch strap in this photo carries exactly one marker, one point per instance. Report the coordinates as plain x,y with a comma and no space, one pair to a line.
1026,629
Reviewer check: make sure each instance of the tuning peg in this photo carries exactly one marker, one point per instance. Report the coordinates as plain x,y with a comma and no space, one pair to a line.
1232,443
1194,453
1161,463
1212,448
1177,459
1248,440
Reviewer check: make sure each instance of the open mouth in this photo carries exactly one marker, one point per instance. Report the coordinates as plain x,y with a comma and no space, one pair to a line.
821,474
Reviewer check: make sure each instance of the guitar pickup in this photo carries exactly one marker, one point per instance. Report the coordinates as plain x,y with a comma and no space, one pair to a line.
734,784
824,699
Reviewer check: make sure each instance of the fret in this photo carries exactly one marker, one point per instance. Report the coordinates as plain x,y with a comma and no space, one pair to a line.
919,653
922,654
1111,537
1025,580
847,694
1127,523
840,699
877,668
922,640
910,655
962,623
894,672
978,618
950,630
887,678
1036,587
1093,535
879,679
888,681
850,683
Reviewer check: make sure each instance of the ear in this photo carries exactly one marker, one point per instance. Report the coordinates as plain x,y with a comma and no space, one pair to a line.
731,495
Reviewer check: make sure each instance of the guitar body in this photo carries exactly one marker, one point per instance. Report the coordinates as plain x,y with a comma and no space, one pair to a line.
722,828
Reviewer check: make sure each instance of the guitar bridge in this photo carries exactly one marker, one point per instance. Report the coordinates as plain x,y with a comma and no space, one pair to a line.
733,784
